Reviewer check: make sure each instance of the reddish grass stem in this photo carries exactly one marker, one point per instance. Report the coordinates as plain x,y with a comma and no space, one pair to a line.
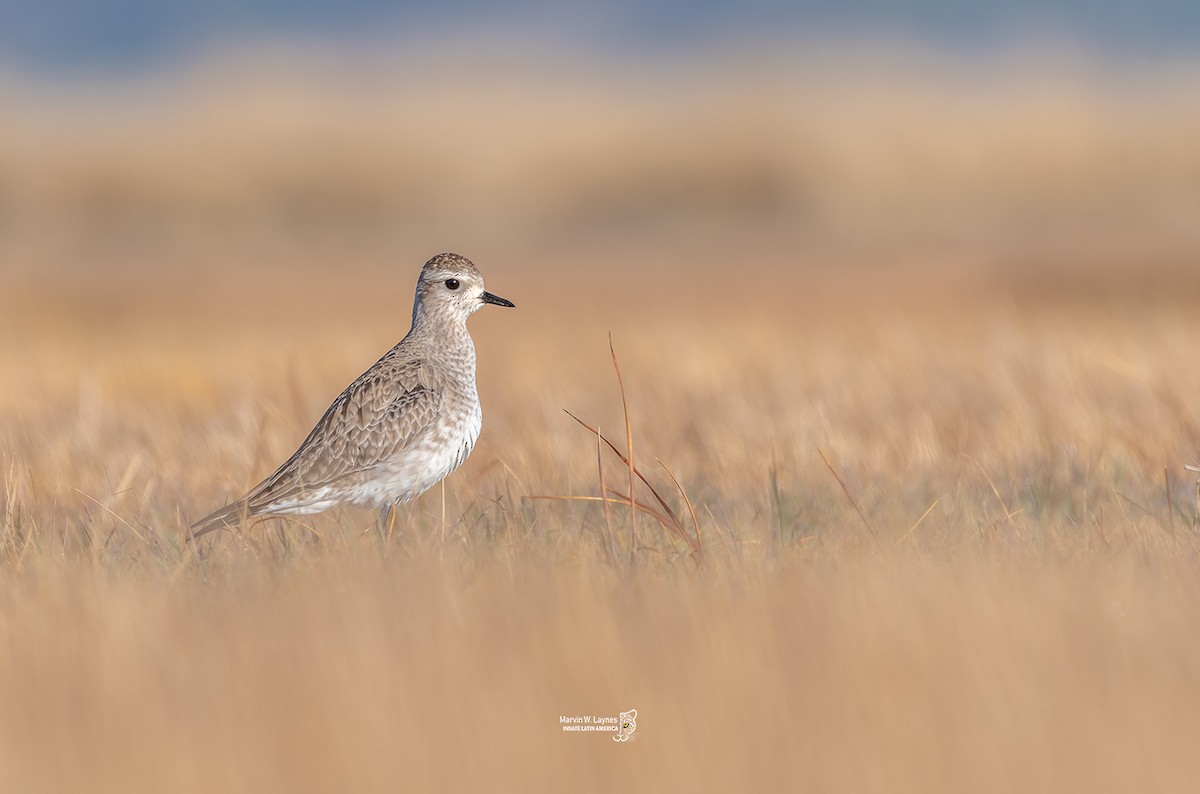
845,490
633,532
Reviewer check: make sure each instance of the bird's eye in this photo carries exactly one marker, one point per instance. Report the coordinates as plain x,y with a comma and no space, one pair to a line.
451,283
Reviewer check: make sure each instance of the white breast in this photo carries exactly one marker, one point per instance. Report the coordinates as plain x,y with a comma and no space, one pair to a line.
426,463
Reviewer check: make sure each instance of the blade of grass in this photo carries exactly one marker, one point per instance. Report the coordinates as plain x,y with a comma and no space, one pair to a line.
109,510
1170,506
853,502
625,460
675,523
691,510
776,500
928,510
992,485
633,532
612,538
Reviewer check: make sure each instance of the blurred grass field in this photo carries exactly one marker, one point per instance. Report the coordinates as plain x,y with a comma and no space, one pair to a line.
981,313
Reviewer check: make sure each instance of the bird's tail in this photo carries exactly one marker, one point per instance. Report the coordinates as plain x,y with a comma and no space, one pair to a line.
228,517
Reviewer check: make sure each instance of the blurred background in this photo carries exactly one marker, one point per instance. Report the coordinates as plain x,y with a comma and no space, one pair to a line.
903,294
169,146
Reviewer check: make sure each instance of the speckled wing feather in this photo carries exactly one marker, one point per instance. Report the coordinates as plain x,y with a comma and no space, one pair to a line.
384,411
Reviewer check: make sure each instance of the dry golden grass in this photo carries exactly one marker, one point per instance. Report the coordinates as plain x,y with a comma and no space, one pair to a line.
949,542
1033,631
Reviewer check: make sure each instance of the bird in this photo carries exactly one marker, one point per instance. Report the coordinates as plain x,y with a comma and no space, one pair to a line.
400,427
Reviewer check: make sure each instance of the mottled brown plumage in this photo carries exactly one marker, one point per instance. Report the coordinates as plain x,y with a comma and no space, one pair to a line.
401,426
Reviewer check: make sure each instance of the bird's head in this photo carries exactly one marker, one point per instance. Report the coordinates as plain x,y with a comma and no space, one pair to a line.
451,288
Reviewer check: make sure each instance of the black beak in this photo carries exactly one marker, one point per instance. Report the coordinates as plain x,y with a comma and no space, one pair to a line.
496,299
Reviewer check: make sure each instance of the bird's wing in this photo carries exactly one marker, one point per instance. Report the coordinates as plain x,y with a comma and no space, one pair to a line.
389,407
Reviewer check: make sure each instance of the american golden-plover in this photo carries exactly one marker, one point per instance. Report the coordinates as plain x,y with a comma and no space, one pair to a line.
400,427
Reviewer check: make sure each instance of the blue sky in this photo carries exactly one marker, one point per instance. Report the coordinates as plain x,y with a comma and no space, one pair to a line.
81,35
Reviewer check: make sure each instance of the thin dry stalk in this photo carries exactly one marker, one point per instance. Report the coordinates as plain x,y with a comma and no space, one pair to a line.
110,511
1196,511
633,533
928,510
1135,503
674,523
853,502
995,491
688,502
776,500
612,538
1170,507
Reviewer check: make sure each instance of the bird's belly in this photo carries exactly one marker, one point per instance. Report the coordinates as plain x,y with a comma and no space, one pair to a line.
407,476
